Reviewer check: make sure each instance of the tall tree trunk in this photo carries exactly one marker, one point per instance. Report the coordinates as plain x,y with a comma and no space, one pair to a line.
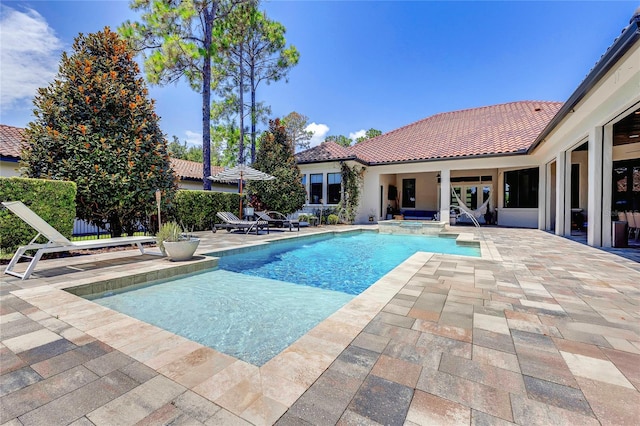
209,15
241,107
253,111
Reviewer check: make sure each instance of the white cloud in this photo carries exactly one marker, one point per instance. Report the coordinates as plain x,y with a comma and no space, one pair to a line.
355,135
319,133
193,138
29,55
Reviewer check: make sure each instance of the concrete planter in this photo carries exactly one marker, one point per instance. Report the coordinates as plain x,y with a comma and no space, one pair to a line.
181,250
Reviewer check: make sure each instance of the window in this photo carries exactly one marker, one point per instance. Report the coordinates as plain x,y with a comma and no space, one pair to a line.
333,188
575,186
303,180
521,188
316,188
626,185
409,193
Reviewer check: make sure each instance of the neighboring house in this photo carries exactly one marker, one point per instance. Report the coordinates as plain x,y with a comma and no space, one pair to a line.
545,165
10,147
189,173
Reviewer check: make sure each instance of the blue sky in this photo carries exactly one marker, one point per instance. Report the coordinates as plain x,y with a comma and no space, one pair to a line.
363,64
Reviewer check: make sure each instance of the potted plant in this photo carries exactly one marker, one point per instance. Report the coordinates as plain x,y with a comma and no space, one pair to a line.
174,243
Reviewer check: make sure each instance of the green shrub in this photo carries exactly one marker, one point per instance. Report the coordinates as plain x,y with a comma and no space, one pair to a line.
52,200
196,210
333,219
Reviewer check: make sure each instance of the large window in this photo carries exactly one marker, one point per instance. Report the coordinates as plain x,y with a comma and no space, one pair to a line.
521,188
626,185
303,180
315,191
333,188
409,193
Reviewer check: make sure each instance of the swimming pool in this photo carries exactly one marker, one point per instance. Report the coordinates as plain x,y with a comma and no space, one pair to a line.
349,263
251,306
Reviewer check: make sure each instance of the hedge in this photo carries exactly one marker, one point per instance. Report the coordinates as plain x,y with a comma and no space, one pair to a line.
195,210
53,200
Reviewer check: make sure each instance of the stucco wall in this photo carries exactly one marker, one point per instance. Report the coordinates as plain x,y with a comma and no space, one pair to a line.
9,169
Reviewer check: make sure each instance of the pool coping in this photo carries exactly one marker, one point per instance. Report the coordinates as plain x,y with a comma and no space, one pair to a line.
259,395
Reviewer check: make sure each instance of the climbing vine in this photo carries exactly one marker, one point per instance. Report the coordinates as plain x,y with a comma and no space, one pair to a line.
352,178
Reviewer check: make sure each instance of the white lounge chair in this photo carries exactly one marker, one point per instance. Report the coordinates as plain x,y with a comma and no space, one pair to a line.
56,241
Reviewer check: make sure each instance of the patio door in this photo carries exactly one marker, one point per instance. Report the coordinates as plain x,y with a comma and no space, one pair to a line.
473,196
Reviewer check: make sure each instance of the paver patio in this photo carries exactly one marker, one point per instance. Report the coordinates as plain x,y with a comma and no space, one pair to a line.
542,330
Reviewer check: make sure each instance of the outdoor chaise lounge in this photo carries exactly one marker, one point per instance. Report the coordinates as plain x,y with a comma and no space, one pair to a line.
56,241
232,222
278,220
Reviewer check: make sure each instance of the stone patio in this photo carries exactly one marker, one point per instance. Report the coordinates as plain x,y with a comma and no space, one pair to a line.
541,330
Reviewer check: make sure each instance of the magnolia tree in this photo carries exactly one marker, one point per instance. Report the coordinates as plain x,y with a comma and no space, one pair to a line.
285,194
95,125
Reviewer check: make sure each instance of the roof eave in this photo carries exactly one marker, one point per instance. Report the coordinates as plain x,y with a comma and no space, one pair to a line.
608,60
333,160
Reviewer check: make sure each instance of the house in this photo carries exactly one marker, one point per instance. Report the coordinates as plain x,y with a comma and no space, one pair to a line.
188,173
547,165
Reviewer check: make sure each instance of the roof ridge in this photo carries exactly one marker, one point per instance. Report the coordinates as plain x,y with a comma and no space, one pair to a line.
453,112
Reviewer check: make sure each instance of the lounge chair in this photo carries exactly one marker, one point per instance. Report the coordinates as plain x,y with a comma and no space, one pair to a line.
56,241
278,220
232,222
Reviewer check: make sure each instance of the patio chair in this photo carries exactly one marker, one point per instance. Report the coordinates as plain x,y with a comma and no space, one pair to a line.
56,241
231,222
279,220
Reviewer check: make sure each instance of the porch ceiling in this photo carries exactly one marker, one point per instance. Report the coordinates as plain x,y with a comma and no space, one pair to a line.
627,130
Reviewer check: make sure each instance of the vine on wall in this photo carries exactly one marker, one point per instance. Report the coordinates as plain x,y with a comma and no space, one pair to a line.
352,178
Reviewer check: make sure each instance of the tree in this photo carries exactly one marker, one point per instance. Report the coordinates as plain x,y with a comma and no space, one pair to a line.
179,35
369,134
177,149
254,51
297,135
268,59
285,194
95,125
339,139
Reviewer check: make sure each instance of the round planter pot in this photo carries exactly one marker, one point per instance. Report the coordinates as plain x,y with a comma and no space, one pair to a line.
181,250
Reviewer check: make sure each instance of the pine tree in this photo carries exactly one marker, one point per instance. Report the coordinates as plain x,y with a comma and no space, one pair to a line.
95,125
285,194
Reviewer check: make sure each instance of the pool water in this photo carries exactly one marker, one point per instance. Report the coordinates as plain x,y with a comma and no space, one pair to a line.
259,302
249,318
348,263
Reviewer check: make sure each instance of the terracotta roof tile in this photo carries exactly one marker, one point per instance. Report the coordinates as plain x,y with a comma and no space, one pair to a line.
190,169
10,141
324,152
497,129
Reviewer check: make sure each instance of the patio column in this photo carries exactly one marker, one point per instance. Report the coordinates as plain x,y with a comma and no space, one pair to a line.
600,186
445,194
542,196
563,193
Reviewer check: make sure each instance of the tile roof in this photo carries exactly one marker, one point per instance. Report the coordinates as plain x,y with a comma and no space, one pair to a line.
326,151
10,141
492,130
190,169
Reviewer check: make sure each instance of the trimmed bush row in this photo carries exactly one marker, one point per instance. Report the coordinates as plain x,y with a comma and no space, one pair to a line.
53,200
